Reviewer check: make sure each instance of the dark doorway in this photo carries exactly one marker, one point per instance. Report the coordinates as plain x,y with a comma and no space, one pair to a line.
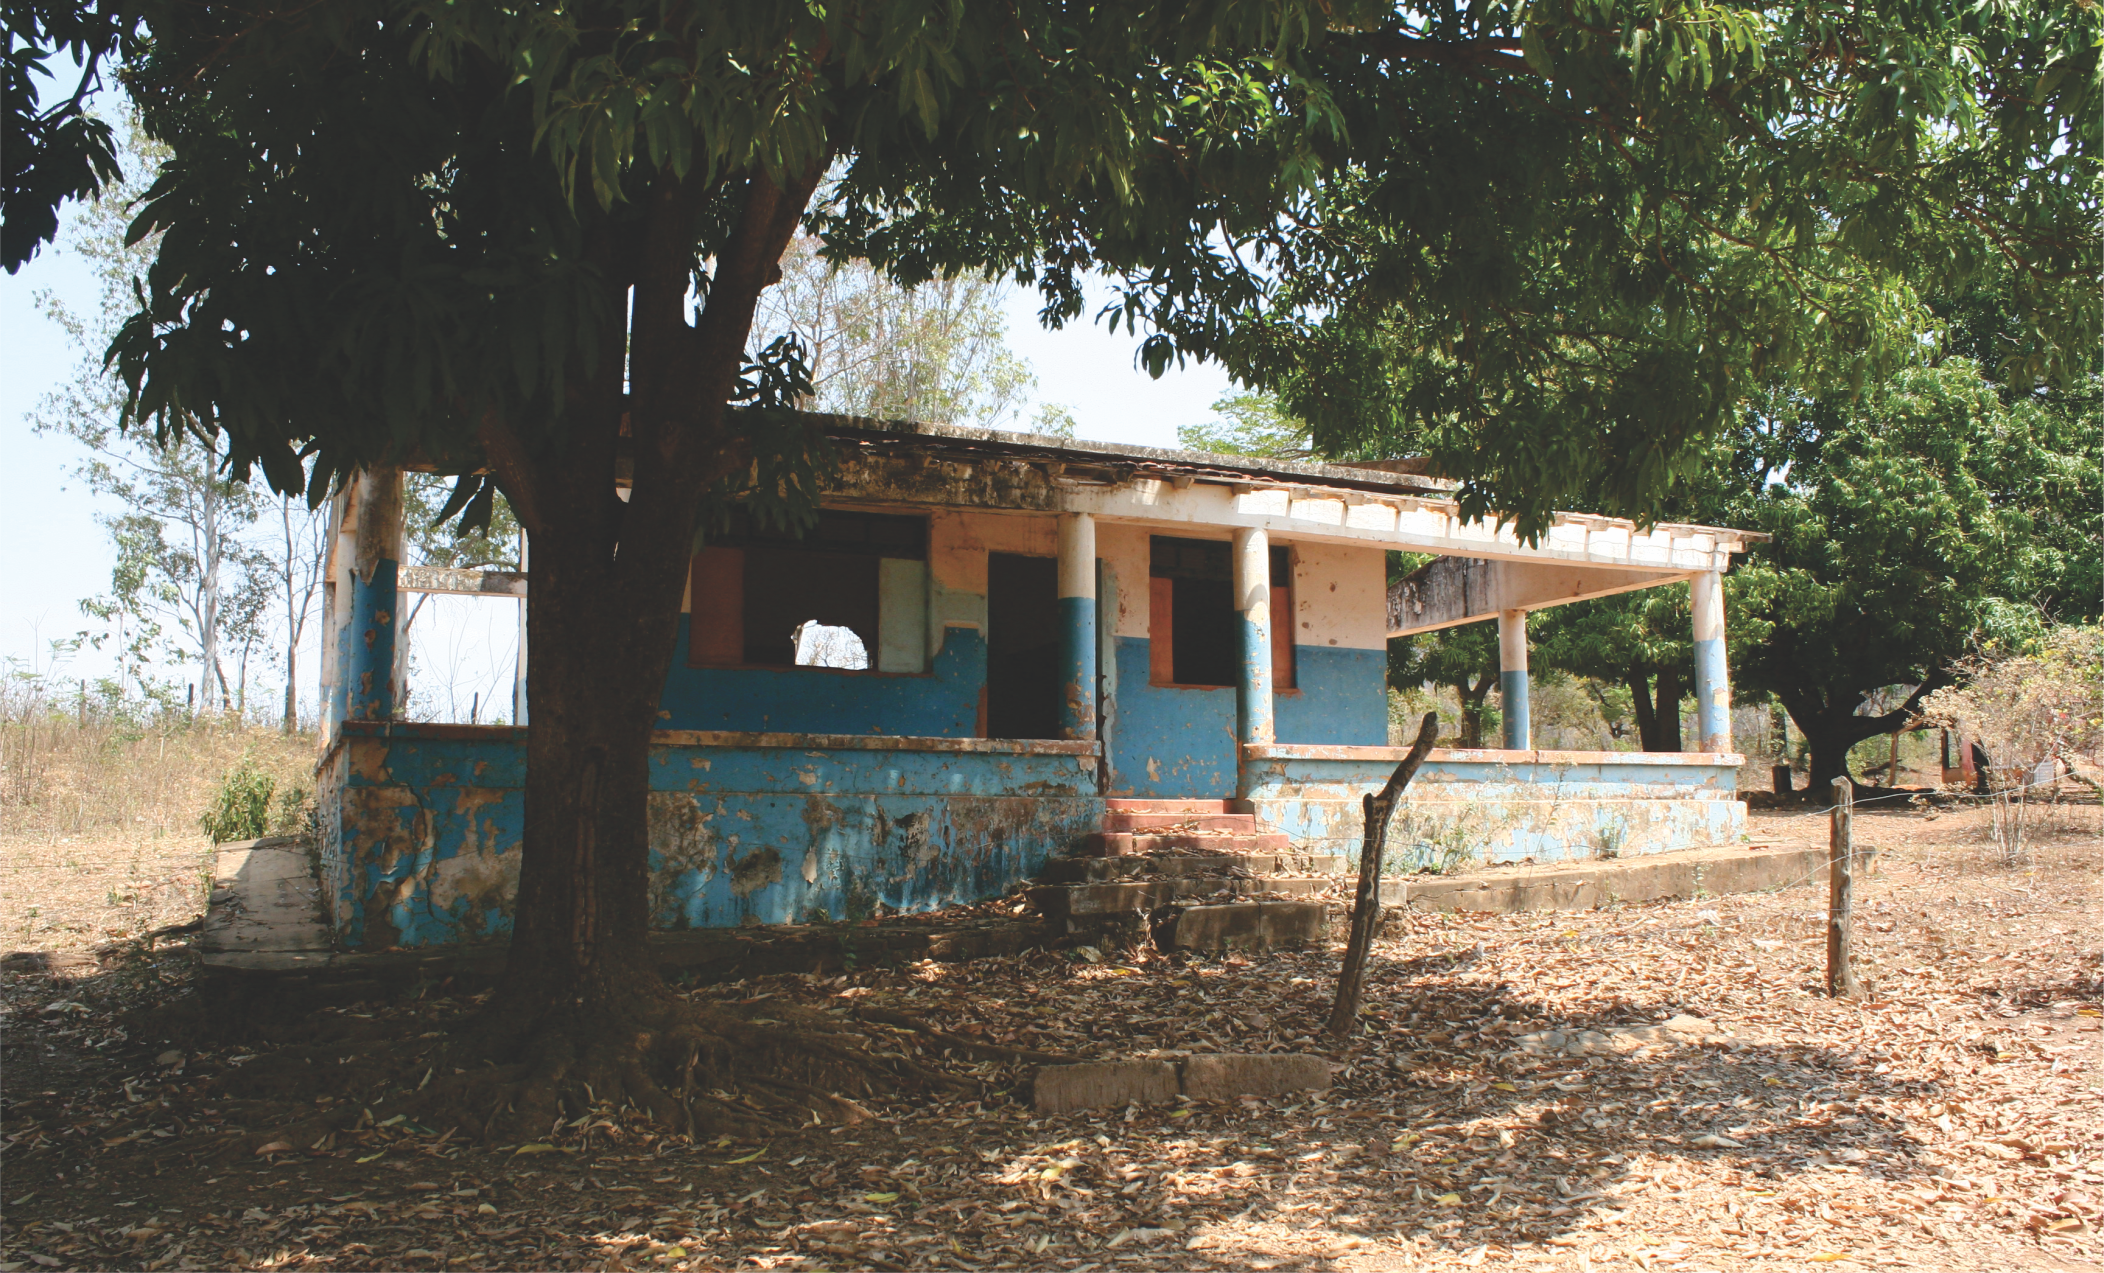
1023,663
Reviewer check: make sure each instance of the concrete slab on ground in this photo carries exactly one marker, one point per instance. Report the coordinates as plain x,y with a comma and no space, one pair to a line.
1583,886
265,908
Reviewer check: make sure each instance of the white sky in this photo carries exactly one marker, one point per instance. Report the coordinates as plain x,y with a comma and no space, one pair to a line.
52,553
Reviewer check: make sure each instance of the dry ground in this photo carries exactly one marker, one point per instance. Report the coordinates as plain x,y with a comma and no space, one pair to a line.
1952,1120
99,836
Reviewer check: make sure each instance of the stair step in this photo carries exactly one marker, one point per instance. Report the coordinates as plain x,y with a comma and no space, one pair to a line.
1093,870
1129,804
1242,823
1155,843
1059,900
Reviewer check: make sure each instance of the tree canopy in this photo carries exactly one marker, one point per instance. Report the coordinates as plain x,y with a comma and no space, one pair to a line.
1906,530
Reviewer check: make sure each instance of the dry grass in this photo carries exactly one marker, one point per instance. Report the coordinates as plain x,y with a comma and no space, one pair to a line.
99,834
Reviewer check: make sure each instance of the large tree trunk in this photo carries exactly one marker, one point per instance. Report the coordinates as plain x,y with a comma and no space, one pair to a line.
1639,683
1831,728
1666,716
581,1003
1472,697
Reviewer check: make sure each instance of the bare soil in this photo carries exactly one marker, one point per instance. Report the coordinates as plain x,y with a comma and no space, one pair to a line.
1952,1119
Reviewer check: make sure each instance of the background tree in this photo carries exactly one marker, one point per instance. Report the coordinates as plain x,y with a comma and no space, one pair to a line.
1643,641
1575,238
936,352
1248,423
1463,659
1904,532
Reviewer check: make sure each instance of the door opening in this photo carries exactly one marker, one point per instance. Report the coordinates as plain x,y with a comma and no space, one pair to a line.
1022,646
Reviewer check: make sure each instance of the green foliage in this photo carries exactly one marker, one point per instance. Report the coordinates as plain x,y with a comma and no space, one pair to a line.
1465,658
248,804
1904,532
55,151
1247,424
1642,642
240,805
1559,274
937,352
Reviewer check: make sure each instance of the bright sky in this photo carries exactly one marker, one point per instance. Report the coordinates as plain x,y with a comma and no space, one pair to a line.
55,554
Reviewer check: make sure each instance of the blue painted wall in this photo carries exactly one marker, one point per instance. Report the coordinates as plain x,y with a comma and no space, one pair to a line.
1170,743
941,703
428,832
1342,700
1503,812
777,834
1179,744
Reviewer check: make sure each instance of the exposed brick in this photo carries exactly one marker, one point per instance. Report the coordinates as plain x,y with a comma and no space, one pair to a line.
1103,1084
1225,1076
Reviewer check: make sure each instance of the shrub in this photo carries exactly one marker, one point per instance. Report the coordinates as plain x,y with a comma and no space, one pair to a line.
240,807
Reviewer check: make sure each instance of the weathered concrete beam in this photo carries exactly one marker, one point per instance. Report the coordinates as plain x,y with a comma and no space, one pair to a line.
478,583
1287,512
1456,590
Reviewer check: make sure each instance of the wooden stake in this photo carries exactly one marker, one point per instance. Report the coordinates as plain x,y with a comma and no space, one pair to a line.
1840,879
1366,906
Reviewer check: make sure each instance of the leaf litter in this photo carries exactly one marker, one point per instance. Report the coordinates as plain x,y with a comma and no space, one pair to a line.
1652,1087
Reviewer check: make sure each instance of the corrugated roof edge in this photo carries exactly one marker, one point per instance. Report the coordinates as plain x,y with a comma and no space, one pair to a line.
1086,449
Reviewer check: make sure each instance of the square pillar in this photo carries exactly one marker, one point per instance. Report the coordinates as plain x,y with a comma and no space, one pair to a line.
1512,679
1077,623
1712,673
1252,592
368,660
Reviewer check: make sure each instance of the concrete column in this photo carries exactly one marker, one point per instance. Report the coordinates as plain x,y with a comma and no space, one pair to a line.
1077,619
1512,679
1253,705
369,663
336,615
1712,673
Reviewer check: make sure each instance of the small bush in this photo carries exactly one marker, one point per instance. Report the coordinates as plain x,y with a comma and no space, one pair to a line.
240,807
294,814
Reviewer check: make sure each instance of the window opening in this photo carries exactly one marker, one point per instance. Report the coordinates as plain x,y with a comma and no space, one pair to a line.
763,598
818,645
1193,637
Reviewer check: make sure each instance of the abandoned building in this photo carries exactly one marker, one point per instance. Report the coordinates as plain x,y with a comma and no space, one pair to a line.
997,649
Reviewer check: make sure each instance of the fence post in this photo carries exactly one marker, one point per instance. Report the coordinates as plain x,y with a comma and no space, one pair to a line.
1840,879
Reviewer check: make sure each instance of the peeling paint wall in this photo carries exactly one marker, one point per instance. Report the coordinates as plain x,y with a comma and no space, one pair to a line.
423,826
1488,807
1179,743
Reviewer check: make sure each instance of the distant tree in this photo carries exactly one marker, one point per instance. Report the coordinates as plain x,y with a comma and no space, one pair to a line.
188,586
1464,659
1248,424
936,352
1906,531
1643,641
301,554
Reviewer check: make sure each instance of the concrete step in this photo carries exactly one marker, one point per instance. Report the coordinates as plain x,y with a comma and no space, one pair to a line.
1056,901
1096,870
1154,843
1242,926
1181,823
1131,804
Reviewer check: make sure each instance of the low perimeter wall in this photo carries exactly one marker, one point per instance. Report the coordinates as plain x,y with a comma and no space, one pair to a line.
421,826
1499,806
